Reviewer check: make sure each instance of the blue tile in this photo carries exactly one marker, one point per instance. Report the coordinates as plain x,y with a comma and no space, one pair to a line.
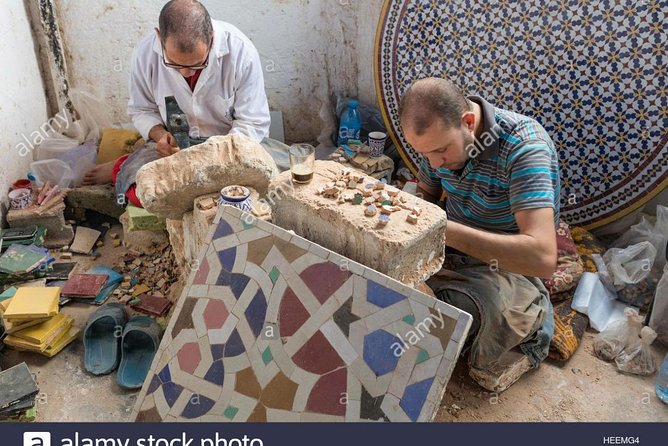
379,351
227,258
256,313
155,384
216,373
222,230
198,406
172,392
164,375
217,351
238,284
234,345
414,397
224,278
381,296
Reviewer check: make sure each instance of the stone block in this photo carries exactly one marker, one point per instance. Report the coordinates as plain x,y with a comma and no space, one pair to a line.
410,253
58,232
168,187
145,242
101,198
141,220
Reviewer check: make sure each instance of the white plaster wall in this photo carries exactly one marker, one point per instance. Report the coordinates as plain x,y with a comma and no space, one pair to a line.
23,107
308,48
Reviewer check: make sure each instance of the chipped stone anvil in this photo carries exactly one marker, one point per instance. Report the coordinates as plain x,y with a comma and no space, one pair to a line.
407,252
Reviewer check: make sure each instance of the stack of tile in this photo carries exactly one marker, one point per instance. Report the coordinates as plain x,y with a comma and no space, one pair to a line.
85,287
24,262
18,390
33,322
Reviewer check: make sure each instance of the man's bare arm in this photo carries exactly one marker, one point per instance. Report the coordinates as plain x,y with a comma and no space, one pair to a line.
532,252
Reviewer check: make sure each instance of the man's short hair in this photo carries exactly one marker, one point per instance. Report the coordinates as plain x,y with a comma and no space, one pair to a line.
429,99
188,22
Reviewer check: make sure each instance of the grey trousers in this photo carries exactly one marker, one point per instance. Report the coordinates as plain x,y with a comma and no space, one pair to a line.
509,310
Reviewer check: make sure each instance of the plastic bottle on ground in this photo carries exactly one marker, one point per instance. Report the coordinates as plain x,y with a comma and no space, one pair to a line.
662,381
351,123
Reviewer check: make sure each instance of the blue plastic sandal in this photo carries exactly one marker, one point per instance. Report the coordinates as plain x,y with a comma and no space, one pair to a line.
141,339
102,339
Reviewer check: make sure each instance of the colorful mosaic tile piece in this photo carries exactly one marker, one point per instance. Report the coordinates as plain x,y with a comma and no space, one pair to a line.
270,329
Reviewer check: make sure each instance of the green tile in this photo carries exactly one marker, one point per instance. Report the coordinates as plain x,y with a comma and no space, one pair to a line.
410,319
422,357
267,357
273,275
230,412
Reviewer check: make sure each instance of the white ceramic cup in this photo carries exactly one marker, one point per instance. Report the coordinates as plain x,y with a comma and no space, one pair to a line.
19,198
377,143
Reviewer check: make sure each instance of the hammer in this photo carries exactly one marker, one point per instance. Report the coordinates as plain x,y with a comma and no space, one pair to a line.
177,123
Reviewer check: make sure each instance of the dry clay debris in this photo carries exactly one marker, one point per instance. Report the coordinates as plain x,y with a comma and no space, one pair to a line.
376,197
153,274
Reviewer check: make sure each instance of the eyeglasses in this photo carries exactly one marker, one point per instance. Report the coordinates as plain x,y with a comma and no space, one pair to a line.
188,67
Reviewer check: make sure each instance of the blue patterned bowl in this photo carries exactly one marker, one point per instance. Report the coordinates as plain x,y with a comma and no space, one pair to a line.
237,196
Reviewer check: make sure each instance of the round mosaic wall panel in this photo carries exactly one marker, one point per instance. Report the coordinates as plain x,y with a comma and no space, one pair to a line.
593,73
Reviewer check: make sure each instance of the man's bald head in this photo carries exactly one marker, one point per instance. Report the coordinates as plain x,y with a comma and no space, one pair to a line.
427,100
186,21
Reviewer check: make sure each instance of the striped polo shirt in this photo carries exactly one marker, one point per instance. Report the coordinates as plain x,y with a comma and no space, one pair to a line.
515,166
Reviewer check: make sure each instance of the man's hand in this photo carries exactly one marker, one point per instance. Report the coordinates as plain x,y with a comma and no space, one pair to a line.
165,141
166,146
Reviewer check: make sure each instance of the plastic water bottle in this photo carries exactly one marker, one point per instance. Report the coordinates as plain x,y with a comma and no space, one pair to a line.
351,123
662,381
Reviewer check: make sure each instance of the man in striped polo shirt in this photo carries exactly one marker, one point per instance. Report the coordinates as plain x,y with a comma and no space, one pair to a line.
499,171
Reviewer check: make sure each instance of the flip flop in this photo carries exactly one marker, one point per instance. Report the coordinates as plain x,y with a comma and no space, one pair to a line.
141,338
102,339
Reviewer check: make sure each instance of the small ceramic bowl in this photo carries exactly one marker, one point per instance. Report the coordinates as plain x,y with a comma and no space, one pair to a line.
22,184
237,196
19,198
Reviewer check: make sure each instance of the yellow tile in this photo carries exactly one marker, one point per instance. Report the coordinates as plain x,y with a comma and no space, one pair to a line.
62,342
141,289
44,332
33,303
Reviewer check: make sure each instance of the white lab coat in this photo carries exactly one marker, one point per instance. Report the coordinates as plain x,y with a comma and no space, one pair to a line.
229,97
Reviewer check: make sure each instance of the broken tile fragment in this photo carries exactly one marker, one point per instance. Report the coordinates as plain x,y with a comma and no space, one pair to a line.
371,211
412,218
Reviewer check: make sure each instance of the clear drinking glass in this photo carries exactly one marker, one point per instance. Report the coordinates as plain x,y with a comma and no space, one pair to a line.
302,160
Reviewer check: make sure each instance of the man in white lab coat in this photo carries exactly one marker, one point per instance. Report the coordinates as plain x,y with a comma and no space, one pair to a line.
210,67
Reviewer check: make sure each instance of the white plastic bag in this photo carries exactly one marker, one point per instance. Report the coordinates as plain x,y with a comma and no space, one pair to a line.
54,147
655,232
611,341
594,300
630,265
93,115
659,319
638,358
81,159
55,171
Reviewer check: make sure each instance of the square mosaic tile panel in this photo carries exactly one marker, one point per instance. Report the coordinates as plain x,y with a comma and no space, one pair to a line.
272,327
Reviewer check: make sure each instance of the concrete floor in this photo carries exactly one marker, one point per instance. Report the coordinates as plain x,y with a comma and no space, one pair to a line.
583,389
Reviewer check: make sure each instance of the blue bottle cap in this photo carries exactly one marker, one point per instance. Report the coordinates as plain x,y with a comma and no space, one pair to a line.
352,103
